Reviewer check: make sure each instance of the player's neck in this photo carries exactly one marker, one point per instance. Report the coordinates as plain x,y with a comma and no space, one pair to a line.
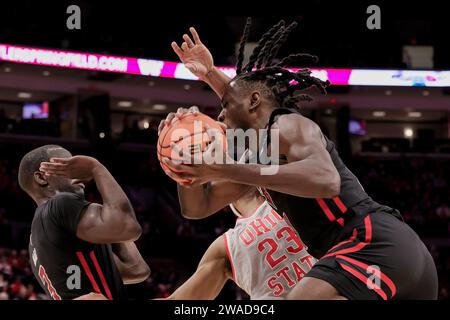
40,199
248,207
262,118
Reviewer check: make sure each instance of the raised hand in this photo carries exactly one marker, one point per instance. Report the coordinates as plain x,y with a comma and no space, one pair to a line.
194,54
214,161
78,167
181,112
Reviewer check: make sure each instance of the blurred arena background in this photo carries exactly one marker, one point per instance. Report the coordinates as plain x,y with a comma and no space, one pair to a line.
392,127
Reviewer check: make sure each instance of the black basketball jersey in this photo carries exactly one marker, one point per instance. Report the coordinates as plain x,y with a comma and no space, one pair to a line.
319,221
65,266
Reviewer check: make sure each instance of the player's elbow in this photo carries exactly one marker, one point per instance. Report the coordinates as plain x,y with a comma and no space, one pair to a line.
145,273
333,185
138,275
194,213
330,184
128,229
132,230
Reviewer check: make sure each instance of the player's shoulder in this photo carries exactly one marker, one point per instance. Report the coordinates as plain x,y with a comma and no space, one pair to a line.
63,202
65,196
49,212
219,247
296,127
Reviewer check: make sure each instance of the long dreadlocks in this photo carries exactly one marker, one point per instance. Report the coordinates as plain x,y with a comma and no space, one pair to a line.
272,77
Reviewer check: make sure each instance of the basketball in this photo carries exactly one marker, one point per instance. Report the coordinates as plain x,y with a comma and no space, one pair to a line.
187,135
297,154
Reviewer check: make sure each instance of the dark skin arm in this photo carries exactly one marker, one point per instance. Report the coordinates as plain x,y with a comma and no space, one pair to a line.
198,59
309,173
199,202
202,201
112,222
130,263
301,141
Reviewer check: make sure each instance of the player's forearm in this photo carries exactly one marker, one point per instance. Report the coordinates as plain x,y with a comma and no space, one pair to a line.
302,178
130,262
199,202
205,284
209,291
117,210
217,80
193,202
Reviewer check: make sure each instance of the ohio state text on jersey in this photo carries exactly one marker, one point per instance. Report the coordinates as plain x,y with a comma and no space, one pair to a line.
266,254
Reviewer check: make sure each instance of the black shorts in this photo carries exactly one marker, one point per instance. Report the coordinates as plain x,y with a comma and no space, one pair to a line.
379,257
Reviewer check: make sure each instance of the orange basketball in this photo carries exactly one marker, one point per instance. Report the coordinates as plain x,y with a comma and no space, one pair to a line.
187,135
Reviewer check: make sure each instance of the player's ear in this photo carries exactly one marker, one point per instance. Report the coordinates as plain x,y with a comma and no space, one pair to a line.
40,178
255,101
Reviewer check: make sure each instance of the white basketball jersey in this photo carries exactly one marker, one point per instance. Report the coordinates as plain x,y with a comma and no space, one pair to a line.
266,254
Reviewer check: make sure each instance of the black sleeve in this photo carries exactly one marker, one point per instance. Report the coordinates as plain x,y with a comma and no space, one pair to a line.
65,210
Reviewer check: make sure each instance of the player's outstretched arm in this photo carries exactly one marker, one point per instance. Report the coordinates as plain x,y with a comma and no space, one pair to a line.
199,202
212,273
309,173
131,264
112,222
198,59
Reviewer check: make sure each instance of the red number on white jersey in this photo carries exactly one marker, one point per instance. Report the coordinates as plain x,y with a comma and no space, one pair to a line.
290,237
273,262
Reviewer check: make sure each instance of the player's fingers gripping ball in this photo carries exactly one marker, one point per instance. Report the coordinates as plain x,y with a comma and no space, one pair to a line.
185,139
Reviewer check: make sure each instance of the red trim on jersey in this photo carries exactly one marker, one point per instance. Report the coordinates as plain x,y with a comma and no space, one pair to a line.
340,255
359,246
233,270
353,237
268,197
48,283
356,248
88,271
364,279
277,215
340,221
340,204
383,277
368,226
326,209
102,277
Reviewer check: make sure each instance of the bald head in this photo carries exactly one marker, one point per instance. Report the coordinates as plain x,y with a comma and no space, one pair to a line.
30,163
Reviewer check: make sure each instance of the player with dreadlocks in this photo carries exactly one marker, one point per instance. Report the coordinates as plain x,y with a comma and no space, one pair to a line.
365,250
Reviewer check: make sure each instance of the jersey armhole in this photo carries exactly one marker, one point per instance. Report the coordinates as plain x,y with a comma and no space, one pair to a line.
230,258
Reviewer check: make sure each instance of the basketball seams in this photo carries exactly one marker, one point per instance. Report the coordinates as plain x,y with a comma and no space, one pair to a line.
182,138
187,123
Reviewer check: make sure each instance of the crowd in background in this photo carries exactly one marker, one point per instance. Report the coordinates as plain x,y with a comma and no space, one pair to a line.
173,246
